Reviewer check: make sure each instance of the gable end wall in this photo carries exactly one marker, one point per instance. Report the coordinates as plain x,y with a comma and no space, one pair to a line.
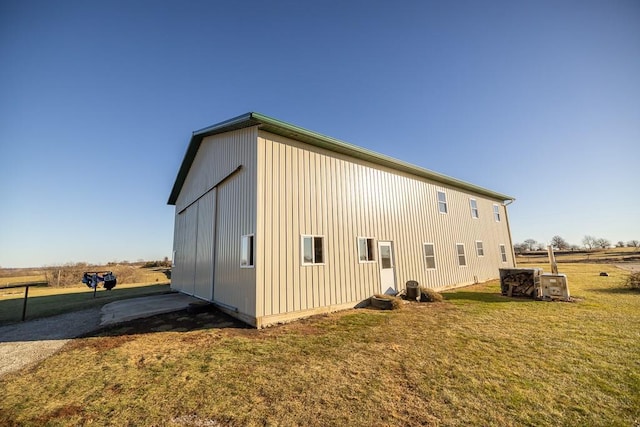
233,205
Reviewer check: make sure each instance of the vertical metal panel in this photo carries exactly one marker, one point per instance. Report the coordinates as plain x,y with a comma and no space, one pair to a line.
292,262
183,273
203,287
287,219
269,239
261,229
176,270
331,210
179,271
281,226
340,198
237,198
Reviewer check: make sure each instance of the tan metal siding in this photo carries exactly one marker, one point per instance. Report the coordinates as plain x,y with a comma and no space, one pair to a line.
232,216
235,286
341,198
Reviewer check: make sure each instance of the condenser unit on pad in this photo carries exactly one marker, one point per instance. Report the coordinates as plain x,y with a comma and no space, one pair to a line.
554,287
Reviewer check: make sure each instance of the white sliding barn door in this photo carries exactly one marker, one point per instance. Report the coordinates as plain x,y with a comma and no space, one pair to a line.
182,276
204,246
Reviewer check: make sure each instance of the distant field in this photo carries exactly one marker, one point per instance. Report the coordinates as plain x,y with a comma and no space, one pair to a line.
47,301
72,275
611,256
21,279
477,358
72,294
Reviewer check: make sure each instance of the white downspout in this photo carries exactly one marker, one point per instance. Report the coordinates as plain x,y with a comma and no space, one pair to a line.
506,216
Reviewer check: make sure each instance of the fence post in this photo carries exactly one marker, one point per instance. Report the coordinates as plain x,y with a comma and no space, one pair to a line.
24,305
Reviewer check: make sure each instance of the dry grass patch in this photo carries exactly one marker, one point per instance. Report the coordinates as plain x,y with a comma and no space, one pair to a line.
476,359
4,281
429,295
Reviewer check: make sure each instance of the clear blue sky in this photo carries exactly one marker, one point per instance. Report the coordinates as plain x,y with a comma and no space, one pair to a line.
536,99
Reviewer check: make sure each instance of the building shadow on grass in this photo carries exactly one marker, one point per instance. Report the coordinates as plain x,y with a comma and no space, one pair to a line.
616,291
489,297
63,317
191,319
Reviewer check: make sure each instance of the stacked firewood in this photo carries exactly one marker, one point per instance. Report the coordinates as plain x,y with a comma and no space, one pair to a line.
523,282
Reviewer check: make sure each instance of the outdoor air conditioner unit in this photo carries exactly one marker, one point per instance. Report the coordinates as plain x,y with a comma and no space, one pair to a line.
554,287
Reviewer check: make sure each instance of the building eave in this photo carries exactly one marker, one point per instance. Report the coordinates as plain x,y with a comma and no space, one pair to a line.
269,124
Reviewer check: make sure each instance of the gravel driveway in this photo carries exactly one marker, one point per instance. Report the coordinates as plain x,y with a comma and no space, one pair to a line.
27,343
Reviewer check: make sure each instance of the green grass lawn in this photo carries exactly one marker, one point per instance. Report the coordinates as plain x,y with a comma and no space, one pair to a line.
4,281
49,301
475,359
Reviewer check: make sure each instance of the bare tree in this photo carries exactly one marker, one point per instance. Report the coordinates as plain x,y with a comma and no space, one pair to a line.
589,242
559,242
620,244
529,244
603,243
633,244
519,248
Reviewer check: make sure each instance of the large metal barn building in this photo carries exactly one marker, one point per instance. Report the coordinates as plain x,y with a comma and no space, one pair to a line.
274,222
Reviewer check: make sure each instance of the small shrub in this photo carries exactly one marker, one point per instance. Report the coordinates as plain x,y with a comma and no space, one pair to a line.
155,264
429,295
633,280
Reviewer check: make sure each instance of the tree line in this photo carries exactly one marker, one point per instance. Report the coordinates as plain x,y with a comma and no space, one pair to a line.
588,243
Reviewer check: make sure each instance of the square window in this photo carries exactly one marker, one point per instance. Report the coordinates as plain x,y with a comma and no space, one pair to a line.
442,202
429,256
496,213
365,249
246,251
462,259
474,208
479,248
312,250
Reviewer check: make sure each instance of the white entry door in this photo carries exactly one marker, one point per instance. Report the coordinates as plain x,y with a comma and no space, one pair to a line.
387,269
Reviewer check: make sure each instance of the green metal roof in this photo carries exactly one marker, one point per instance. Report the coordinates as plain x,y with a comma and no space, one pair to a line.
278,127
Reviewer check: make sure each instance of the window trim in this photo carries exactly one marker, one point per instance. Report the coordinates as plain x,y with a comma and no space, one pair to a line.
503,253
464,254
313,239
252,253
480,248
496,212
371,258
424,256
475,210
445,203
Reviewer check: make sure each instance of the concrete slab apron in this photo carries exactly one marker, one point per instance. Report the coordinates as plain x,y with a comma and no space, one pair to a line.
122,311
